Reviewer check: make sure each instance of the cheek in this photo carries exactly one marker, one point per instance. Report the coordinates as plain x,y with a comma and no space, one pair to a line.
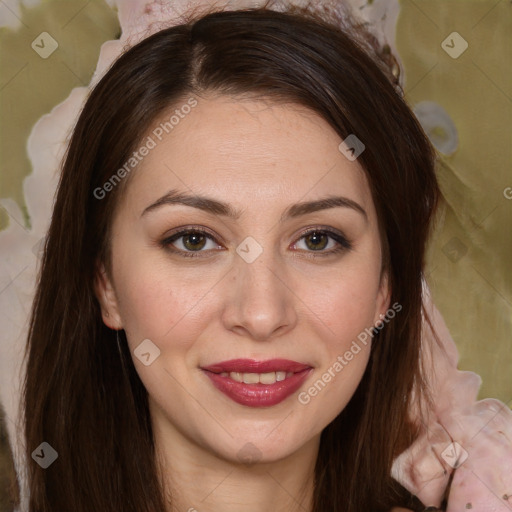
349,315
348,310
158,303
346,302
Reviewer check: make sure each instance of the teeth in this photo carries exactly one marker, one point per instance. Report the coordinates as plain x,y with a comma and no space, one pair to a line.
237,376
267,378
255,378
251,378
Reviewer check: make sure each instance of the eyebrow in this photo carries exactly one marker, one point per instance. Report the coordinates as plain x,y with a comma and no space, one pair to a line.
215,207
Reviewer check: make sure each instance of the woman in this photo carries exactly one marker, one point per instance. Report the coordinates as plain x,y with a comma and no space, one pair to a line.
229,308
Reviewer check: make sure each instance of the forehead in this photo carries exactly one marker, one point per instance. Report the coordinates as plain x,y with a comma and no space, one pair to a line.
245,152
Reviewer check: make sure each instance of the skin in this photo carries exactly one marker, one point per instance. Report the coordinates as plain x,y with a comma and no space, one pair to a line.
291,302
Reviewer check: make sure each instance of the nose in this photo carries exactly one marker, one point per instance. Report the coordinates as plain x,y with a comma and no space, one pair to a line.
260,302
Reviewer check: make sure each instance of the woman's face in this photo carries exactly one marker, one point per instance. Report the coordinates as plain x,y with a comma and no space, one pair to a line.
279,274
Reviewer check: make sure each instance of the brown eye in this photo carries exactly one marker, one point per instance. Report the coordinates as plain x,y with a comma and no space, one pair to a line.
323,241
194,241
189,241
317,240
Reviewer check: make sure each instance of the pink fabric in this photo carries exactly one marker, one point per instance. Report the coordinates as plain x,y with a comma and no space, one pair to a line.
481,461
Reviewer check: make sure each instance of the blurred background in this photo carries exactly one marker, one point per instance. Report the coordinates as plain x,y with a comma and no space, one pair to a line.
456,66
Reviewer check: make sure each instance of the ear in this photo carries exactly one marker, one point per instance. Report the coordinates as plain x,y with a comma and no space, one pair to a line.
383,298
106,296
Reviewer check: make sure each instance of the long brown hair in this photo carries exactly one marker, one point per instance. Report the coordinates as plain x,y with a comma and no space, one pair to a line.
84,397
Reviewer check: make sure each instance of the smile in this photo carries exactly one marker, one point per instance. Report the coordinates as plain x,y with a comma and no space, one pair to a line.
240,380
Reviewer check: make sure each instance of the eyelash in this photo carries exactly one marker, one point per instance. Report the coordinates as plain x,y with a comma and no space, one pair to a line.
343,243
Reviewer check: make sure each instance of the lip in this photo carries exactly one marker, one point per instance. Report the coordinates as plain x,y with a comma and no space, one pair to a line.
257,395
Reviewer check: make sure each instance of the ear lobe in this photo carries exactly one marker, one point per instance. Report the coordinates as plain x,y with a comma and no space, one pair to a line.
106,296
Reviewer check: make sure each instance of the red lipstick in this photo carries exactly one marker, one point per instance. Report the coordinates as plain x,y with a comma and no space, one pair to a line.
289,377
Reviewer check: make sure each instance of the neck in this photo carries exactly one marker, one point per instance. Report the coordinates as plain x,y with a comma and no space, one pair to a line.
198,480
